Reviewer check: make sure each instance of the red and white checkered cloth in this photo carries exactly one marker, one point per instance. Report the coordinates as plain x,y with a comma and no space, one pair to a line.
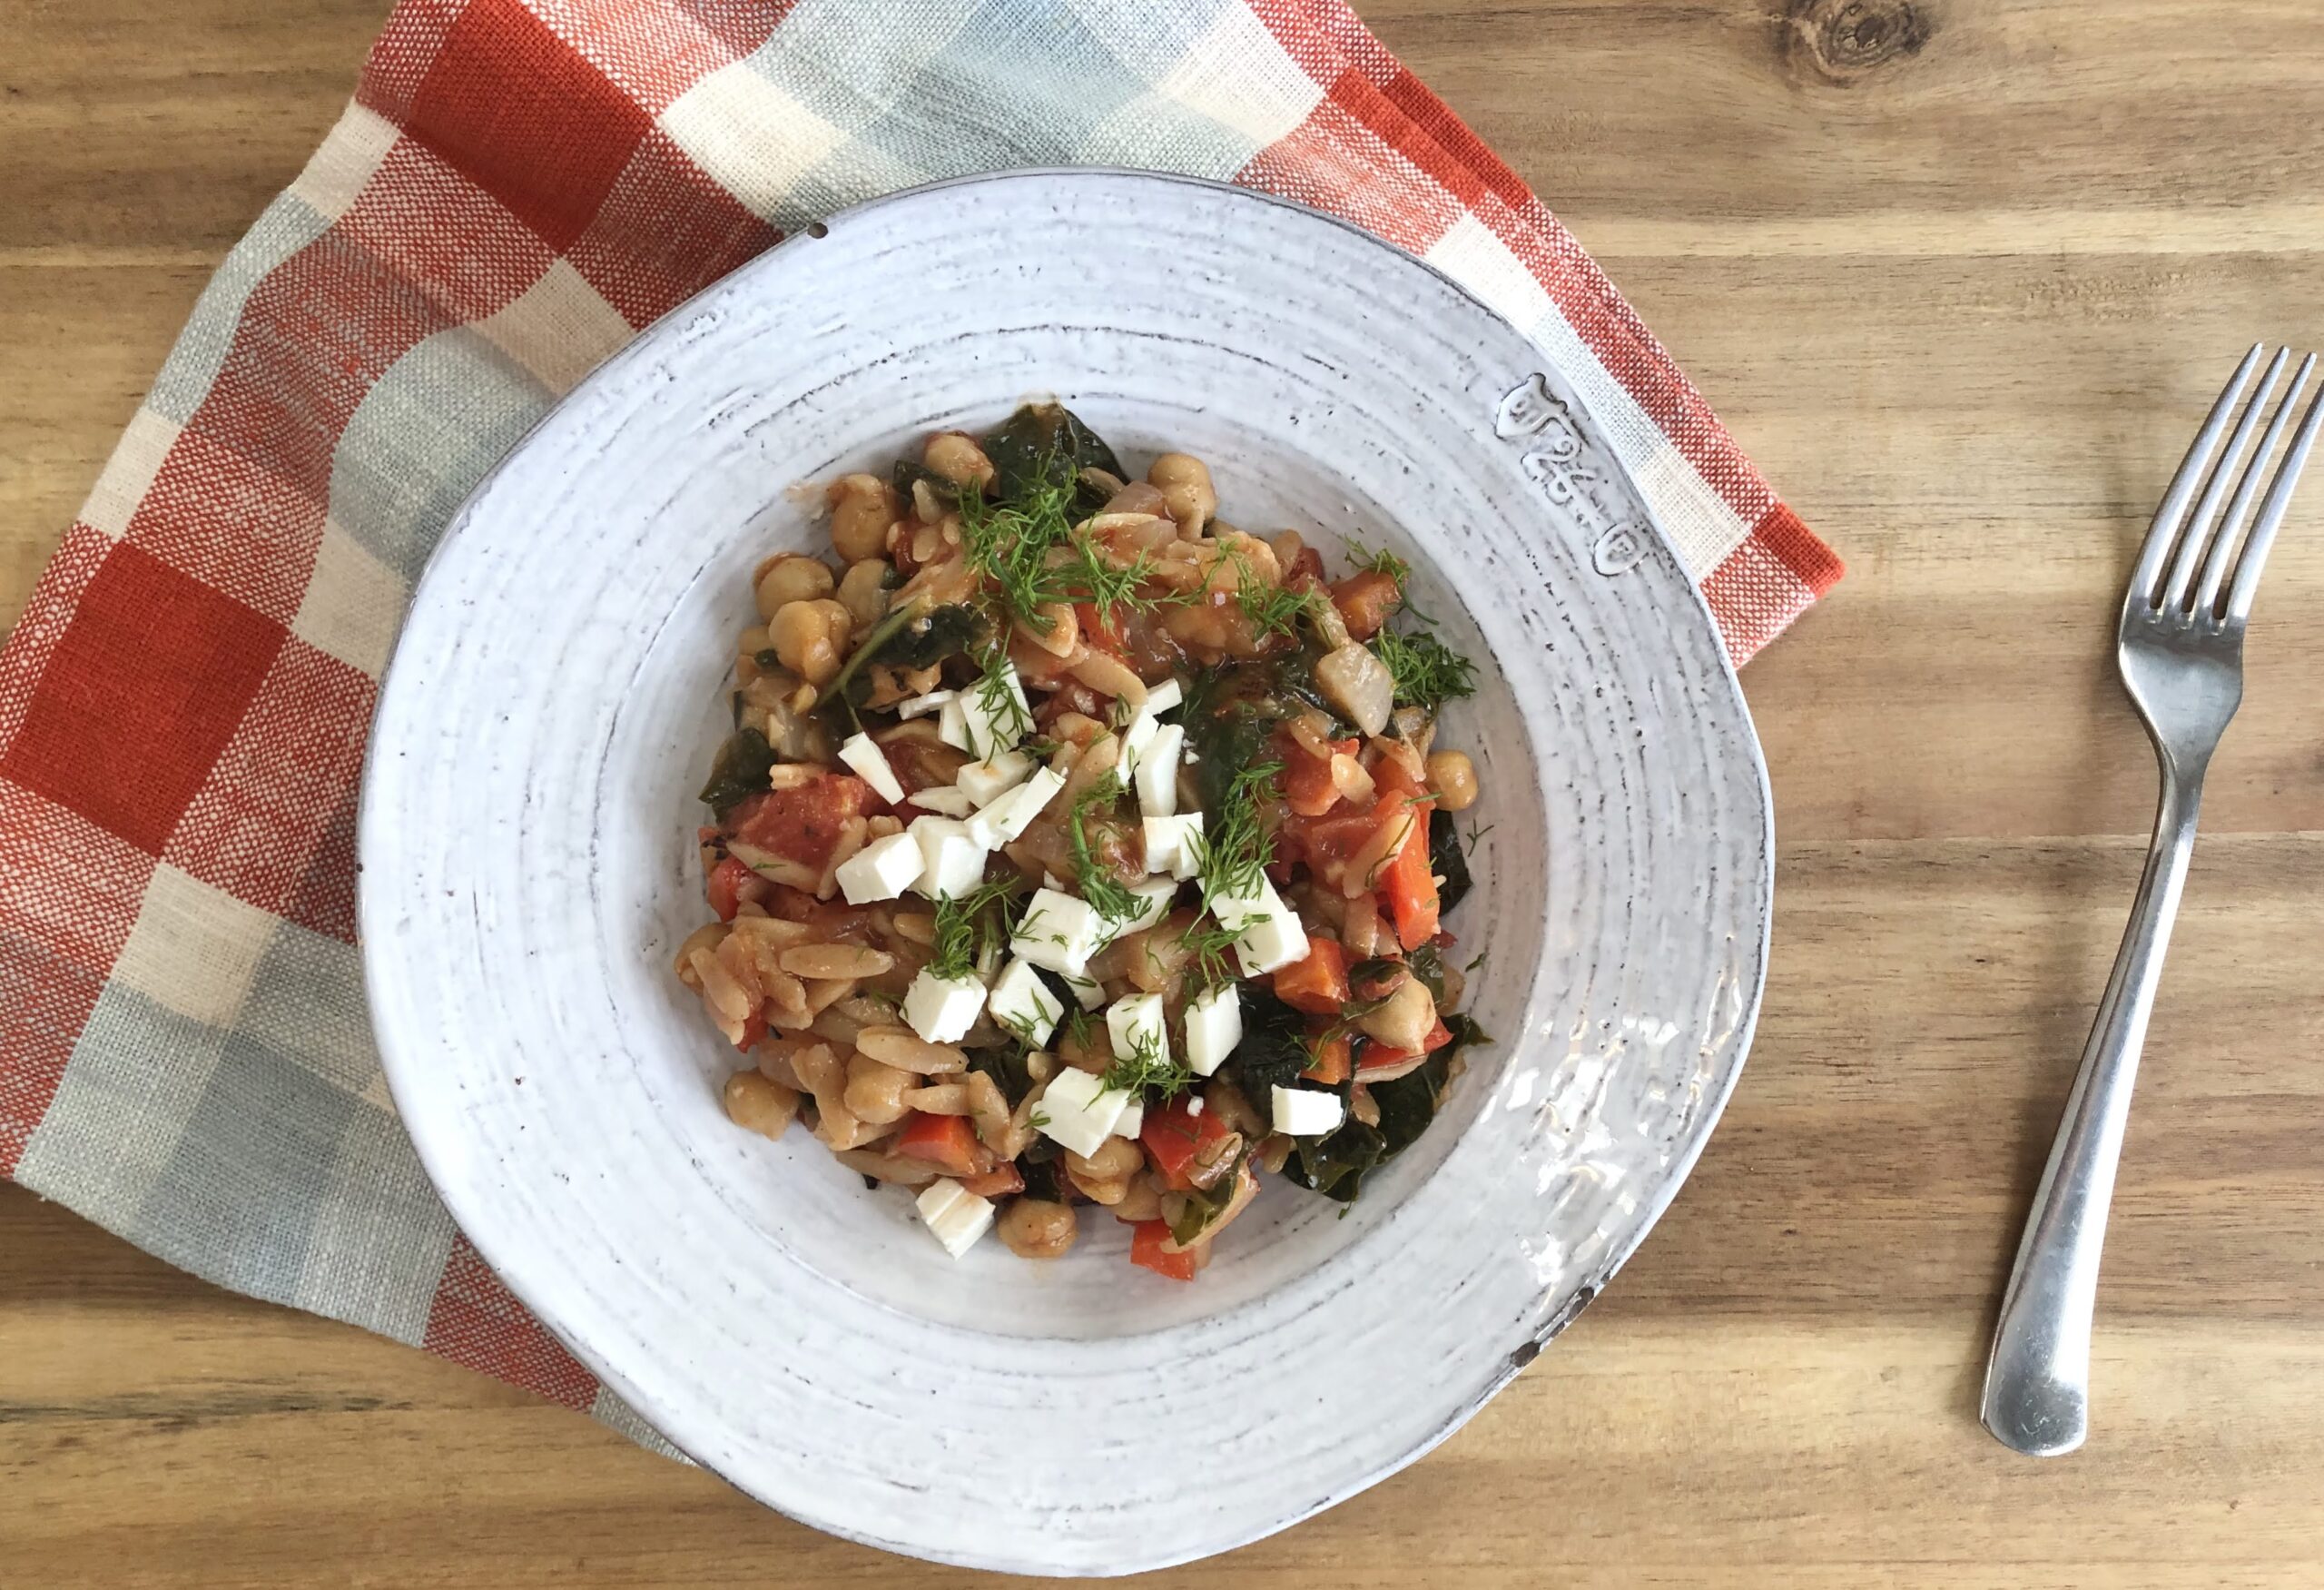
518,186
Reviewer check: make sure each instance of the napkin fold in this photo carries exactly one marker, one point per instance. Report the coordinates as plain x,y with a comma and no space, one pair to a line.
518,188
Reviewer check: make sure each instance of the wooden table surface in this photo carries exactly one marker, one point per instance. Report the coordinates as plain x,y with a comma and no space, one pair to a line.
1963,275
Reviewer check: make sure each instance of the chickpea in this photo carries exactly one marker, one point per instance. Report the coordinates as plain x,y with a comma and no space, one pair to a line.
875,1092
862,508
1186,486
1034,1228
1404,1021
809,638
1116,1157
864,592
1143,1202
759,1104
958,458
1453,778
794,577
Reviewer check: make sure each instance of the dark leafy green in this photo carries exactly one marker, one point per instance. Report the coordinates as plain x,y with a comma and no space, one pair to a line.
1045,444
1335,1165
1447,860
1203,1209
1006,1067
1274,1049
903,641
1040,1173
739,769
1427,963
906,472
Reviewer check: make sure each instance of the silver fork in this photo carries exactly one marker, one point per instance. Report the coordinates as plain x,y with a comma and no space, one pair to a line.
2181,650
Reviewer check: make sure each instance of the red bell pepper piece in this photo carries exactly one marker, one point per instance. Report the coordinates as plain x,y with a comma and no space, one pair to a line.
1146,1237
726,886
1380,1056
946,1141
1318,985
1332,1061
801,824
1175,1139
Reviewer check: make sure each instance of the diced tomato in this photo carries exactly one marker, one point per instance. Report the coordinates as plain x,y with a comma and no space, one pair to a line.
1330,838
1317,984
753,1031
1364,599
946,1141
1101,630
999,1181
801,824
1175,1139
1146,1237
1408,889
1308,564
1332,1061
1380,1056
1307,786
726,880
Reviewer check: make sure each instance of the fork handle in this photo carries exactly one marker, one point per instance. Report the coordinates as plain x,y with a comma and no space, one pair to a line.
2038,1382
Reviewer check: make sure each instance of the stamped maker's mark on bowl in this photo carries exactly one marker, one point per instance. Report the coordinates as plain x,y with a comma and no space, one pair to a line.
1555,462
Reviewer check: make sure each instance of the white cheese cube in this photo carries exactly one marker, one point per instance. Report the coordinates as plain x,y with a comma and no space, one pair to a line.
1170,844
952,726
1269,934
1087,991
867,759
1305,1111
996,714
1135,1023
1161,699
942,799
1139,733
1078,1112
957,1216
1214,1027
941,1009
985,782
1058,932
1153,899
1158,772
881,870
1132,1119
921,706
1012,812
1021,1003
952,861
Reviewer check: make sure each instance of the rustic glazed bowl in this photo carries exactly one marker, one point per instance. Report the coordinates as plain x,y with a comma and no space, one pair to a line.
528,835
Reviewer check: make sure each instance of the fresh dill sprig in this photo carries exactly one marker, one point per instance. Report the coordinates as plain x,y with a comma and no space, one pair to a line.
1036,557
1107,894
1144,1067
1476,836
1428,672
1004,707
1273,610
1380,562
1207,941
966,926
1234,849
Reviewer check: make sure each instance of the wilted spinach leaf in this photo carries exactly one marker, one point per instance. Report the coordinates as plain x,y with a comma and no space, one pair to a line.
1042,1178
1427,963
739,769
1045,444
903,641
1006,1067
1273,1050
1448,860
1335,1165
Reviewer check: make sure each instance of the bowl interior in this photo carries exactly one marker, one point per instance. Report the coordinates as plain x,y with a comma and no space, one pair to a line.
792,1194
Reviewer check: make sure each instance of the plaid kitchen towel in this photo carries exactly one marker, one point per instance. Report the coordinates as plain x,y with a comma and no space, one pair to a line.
518,186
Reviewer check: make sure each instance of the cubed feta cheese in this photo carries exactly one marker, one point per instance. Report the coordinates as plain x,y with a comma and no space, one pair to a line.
1135,1026
1087,991
1269,934
1158,772
1058,932
921,706
943,1009
957,1216
1132,1119
1161,699
1013,811
952,861
1214,1027
881,870
984,782
1139,733
995,712
1170,844
1022,1003
1153,899
952,726
1078,1112
867,759
1305,1111
942,799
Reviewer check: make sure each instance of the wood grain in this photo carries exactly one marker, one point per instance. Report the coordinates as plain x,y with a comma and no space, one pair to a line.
1962,274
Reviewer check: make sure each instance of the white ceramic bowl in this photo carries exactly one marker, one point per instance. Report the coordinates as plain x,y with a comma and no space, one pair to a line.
528,835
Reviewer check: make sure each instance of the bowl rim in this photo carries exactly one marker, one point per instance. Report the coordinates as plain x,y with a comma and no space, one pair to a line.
1685,1154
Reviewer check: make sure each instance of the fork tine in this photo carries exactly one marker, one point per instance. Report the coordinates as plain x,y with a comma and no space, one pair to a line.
2168,517
2201,522
2224,545
2272,514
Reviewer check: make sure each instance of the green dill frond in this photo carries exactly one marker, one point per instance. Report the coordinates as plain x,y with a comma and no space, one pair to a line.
1428,672
1004,708
1233,851
1107,894
968,926
1144,1067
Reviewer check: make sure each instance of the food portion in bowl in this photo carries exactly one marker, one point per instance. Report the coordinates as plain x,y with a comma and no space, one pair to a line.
1073,846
